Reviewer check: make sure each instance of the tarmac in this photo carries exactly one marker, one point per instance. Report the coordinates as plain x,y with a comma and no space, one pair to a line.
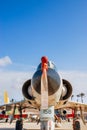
26,126
33,126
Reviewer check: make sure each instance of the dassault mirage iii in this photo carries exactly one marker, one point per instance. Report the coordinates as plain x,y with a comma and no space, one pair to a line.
47,86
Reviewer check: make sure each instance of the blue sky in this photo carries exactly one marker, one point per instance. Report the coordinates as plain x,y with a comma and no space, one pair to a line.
30,29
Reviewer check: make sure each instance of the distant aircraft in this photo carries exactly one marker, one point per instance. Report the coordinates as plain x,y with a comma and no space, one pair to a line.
6,98
59,91
5,113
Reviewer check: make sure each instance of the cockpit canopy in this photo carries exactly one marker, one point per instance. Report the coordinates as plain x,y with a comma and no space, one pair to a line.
50,65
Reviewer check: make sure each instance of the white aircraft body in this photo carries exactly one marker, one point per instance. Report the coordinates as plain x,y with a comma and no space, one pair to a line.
58,91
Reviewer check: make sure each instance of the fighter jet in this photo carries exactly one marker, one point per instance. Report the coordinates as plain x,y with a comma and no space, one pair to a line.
47,86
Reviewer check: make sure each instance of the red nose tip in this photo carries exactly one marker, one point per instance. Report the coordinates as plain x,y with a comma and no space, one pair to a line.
44,59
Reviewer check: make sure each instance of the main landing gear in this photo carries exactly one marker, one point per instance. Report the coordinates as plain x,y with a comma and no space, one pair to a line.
76,120
19,122
19,125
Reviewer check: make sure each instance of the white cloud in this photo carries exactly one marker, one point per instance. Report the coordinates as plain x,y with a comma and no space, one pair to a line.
12,82
78,81
5,61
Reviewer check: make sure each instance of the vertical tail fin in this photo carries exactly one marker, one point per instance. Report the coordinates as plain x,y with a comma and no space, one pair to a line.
6,98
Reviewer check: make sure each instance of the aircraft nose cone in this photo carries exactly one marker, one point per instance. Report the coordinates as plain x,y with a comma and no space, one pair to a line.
54,81
44,59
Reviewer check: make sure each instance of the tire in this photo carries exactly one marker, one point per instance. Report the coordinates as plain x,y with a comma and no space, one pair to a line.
77,125
19,125
6,120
